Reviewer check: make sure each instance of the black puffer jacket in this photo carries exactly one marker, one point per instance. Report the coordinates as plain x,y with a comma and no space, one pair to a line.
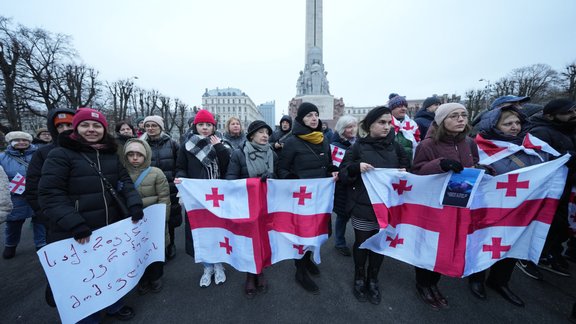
380,153
164,156
35,166
303,160
424,119
188,166
72,194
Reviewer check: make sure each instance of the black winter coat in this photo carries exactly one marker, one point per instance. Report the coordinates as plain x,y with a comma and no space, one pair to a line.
424,119
35,167
340,192
303,160
72,194
380,153
164,157
237,168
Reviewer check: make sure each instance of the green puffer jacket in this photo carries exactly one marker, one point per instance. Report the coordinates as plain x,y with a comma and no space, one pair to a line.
154,189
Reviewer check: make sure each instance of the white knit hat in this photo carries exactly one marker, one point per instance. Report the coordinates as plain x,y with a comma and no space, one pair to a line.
446,109
156,119
18,135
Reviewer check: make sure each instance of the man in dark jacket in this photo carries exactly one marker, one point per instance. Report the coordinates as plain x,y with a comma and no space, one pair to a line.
425,116
280,135
58,121
556,127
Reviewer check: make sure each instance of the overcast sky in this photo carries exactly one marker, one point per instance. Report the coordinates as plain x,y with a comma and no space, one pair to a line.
371,47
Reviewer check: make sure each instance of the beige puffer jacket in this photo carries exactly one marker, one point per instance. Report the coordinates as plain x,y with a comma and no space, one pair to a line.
154,188
5,201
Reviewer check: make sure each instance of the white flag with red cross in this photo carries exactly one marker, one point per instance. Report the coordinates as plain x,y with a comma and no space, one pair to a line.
17,184
491,151
239,222
509,216
337,154
572,210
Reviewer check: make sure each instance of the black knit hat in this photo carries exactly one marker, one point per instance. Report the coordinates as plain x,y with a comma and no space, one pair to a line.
372,116
255,126
558,106
431,101
304,109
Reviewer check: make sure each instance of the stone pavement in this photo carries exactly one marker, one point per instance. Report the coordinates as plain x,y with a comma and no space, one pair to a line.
182,300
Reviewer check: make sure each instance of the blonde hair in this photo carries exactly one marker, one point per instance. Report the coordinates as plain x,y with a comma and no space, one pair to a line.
230,120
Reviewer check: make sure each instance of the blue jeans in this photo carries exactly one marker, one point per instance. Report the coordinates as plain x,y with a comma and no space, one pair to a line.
95,318
14,230
340,229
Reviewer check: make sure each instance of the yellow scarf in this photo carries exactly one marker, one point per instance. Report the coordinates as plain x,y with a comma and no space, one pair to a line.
314,137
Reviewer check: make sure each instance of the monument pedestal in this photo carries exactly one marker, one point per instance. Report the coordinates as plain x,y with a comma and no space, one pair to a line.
330,108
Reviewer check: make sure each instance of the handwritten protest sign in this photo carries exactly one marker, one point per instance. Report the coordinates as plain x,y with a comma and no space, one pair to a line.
86,278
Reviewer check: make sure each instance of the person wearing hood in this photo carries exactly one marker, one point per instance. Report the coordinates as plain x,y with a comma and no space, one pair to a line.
555,126
15,161
446,147
505,124
306,155
164,156
255,159
72,190
203,156
42,138
377,150
234,133
153,188
58,121
425,116
281,134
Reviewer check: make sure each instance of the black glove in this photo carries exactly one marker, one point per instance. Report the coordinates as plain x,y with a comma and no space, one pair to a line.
81,231
451,165
264,177
488,169
137,213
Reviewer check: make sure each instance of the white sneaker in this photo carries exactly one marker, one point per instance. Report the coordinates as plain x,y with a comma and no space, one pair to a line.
206,278
219,275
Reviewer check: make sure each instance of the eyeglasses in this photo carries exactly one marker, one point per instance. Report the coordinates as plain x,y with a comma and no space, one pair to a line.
456,116
151,126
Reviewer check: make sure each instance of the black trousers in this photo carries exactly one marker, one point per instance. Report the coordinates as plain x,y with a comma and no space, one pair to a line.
500,273
153,272
426,278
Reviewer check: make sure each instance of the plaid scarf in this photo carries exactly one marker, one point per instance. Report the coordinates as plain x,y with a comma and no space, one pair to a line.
201,148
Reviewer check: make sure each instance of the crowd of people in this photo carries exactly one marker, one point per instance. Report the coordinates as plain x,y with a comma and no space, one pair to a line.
72,168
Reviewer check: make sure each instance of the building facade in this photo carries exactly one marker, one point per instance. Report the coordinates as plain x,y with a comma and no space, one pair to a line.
268,111
230,102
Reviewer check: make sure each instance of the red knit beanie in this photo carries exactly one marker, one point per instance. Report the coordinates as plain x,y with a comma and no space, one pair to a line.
204,116
83,114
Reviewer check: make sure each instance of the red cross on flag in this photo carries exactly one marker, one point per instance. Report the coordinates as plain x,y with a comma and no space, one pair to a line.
460,241
337,154
491,151
250,225
17,184
572,210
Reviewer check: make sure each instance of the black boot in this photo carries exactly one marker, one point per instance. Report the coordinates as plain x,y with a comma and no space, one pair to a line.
360,285
9,252
304,279
374,296
310,265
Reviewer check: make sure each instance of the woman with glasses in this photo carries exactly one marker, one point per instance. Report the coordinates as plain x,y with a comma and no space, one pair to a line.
446,147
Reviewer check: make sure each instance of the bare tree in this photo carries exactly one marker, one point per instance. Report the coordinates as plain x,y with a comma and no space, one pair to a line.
78,84
9,58
43,53
180,116
120,93
477,101
570,77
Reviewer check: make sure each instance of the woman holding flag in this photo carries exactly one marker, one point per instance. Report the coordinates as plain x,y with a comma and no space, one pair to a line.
446,147
255,159
306,155
505,145
377,150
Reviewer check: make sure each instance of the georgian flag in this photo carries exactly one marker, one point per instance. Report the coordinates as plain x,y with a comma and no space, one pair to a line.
509,216
409,129
17,184
337,154
250,225
572,210
300,211
491,151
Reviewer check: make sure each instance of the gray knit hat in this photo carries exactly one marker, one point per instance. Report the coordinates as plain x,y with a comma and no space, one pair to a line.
17,135
446,109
